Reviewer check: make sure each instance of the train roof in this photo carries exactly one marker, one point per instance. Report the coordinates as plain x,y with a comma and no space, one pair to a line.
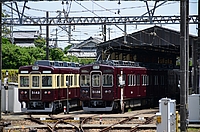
53,66
56,63
131,64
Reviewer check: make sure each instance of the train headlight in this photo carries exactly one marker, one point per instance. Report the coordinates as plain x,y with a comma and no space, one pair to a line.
109,91
23,92
47,92
85,91
106,91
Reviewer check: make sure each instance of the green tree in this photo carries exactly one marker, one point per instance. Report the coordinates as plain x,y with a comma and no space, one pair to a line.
40,42
14,56
67,48
56,54
35,54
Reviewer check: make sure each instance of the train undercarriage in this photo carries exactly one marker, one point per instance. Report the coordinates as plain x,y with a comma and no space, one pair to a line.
49,107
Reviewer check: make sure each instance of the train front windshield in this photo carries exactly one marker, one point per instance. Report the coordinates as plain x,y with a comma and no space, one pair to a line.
96,79
34,81
85,80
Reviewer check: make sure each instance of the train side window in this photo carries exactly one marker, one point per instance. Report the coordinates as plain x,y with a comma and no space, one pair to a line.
162,80
145,80
62,80
107,80
24,81
58,81
156,80
35,81
71,80
130,80
46,81
134,80
75,79
138,79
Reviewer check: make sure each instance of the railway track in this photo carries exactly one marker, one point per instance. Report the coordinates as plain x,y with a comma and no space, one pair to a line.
88,123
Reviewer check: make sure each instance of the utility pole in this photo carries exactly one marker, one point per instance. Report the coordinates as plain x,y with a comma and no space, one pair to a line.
198,45
183,66
69,34
104,32
47,37
56,45
0,53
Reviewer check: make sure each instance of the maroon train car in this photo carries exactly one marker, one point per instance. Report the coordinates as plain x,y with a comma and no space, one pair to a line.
47,86
115,85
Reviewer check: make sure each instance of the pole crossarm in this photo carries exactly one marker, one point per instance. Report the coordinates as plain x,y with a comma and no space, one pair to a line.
129,20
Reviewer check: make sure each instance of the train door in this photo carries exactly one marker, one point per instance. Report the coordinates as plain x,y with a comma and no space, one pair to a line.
35,92
96,85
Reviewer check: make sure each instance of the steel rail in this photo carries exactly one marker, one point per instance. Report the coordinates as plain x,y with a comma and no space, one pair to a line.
123,121
84,121
149,120
39,122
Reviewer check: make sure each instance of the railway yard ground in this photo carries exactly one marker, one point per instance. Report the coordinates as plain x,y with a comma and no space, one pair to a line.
79,121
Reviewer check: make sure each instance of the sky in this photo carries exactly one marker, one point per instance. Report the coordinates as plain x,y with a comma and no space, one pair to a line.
99,9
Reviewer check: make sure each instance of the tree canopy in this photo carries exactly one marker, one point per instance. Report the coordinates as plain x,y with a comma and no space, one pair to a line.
15,56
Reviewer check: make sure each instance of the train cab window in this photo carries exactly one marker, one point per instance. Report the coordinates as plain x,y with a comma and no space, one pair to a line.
108,80
46,81
35,81
85,80
24,81
95,80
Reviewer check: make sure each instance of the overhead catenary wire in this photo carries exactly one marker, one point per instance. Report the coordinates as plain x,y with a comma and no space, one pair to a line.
95,11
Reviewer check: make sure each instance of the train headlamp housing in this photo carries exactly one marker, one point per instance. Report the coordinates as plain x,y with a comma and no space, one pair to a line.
23,92
35,68
96,67
47,92
85,91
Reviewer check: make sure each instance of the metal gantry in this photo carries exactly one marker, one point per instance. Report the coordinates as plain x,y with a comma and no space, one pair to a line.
128,20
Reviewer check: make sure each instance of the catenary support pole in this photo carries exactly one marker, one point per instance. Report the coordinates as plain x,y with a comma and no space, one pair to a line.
47,37
198,45
0,53
183,66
